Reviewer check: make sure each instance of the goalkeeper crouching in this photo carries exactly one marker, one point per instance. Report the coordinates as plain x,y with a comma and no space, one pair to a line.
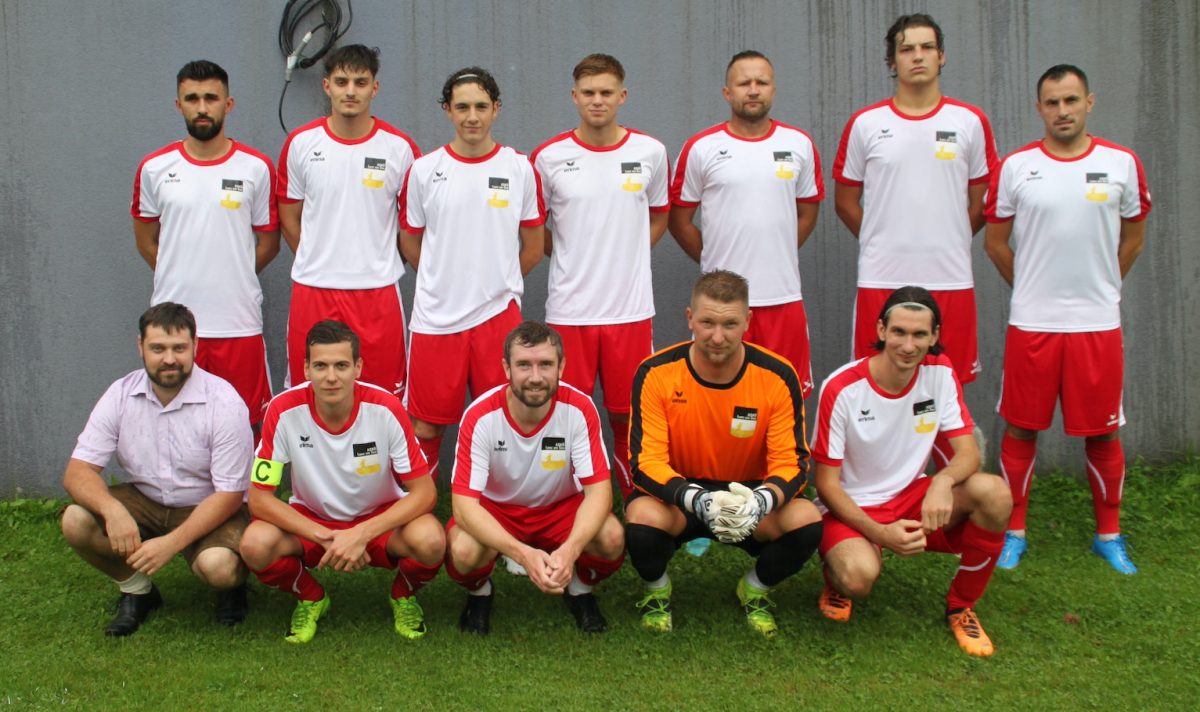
717,450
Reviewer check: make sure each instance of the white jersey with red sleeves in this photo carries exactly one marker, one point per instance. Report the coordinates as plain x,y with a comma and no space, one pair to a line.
346,474
914,172
348,228
494,459
1067,217
470,211
747,190
882,441
598,201
208,212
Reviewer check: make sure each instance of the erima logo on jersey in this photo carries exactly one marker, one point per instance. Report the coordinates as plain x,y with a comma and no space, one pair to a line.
571,167
316,157
744,422
497,192
946,145
172,178
678,397
1033,175
723,155
1097,187
865,416
304,441
366,456
500,447
439,177
554,453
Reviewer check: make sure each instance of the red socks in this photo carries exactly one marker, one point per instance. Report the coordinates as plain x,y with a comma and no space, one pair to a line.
289,575
431,449
1016,465
411,576
980,550
592,569
1106,475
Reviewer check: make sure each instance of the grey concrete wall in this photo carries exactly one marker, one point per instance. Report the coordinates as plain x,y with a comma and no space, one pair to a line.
88,90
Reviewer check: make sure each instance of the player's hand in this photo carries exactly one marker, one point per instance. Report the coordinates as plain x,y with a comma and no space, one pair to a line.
562,564
703,504
746,508
152,555
938,504
346,551
537,565
903,536
122,531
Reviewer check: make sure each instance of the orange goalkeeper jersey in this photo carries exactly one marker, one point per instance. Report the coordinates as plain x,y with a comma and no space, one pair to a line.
750,430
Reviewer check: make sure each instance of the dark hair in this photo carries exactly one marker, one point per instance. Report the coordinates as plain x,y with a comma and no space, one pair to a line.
532,333
355,58
201,70
722,286
169,317
470,75
1059,71
594,64
904,22
904,297
745,54
330,332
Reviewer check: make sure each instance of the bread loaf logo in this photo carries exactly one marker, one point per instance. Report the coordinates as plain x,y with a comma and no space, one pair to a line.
374,170
366,458
633,176
1097,187
926,414
785,165
745,420
231,193
554,453
497,192
946,145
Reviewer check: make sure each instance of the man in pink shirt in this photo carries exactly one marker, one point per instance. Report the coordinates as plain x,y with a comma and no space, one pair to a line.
183,436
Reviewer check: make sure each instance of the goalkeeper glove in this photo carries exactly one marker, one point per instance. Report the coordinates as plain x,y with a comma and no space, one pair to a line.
737,524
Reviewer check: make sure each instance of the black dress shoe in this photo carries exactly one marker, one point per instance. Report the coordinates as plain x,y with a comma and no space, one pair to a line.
231,606
588,617
132,610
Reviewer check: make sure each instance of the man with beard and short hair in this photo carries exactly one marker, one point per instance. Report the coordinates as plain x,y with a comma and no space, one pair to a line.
758,184
531,481
204,220
182,435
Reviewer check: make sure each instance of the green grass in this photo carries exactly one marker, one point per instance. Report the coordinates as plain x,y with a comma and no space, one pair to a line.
1070,633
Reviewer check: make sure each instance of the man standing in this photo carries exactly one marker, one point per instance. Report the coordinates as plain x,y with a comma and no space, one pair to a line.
531,480
759,183
204,220
911,172
1065,224
338,181
182,435
361,492
712,418
472,214
605,187
878,420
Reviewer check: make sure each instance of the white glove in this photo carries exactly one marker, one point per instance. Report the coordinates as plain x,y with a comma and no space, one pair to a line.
735,524
712,508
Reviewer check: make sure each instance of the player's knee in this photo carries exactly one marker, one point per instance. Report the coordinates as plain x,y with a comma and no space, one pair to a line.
466,553
219,568
259,544
610,540
992,495
78,525
1021,433
425,430
429,544
650,549
855,577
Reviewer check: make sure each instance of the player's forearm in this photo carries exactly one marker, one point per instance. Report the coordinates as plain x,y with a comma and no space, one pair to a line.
145,235
549,239
685,232
847,203
421,497
410,247
597,503
995,244
266,506
965,461
87,488
806,220
533,241
265,249
211,513
975,193
289,223
483,527
1132,239
658,225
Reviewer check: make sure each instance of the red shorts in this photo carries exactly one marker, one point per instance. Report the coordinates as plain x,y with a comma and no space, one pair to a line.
374,314
243,362
783,328
906,505
957,334
544,528
613,350
441,366
1086,369
376,548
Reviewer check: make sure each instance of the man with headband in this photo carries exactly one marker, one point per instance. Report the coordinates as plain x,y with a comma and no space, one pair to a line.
472,216
876,426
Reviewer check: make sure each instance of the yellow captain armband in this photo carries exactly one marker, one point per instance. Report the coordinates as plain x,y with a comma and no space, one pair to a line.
266,473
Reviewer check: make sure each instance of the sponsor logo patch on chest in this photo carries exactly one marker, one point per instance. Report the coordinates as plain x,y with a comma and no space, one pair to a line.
744,423
925,413
945,145
498,192
553,453
366,458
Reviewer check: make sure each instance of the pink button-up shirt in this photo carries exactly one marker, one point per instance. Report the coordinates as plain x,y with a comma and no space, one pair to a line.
176,454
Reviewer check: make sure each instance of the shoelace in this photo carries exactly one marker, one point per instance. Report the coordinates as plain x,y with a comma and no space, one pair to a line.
409,615
759,605
969,624
837,600
302,614
655,602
